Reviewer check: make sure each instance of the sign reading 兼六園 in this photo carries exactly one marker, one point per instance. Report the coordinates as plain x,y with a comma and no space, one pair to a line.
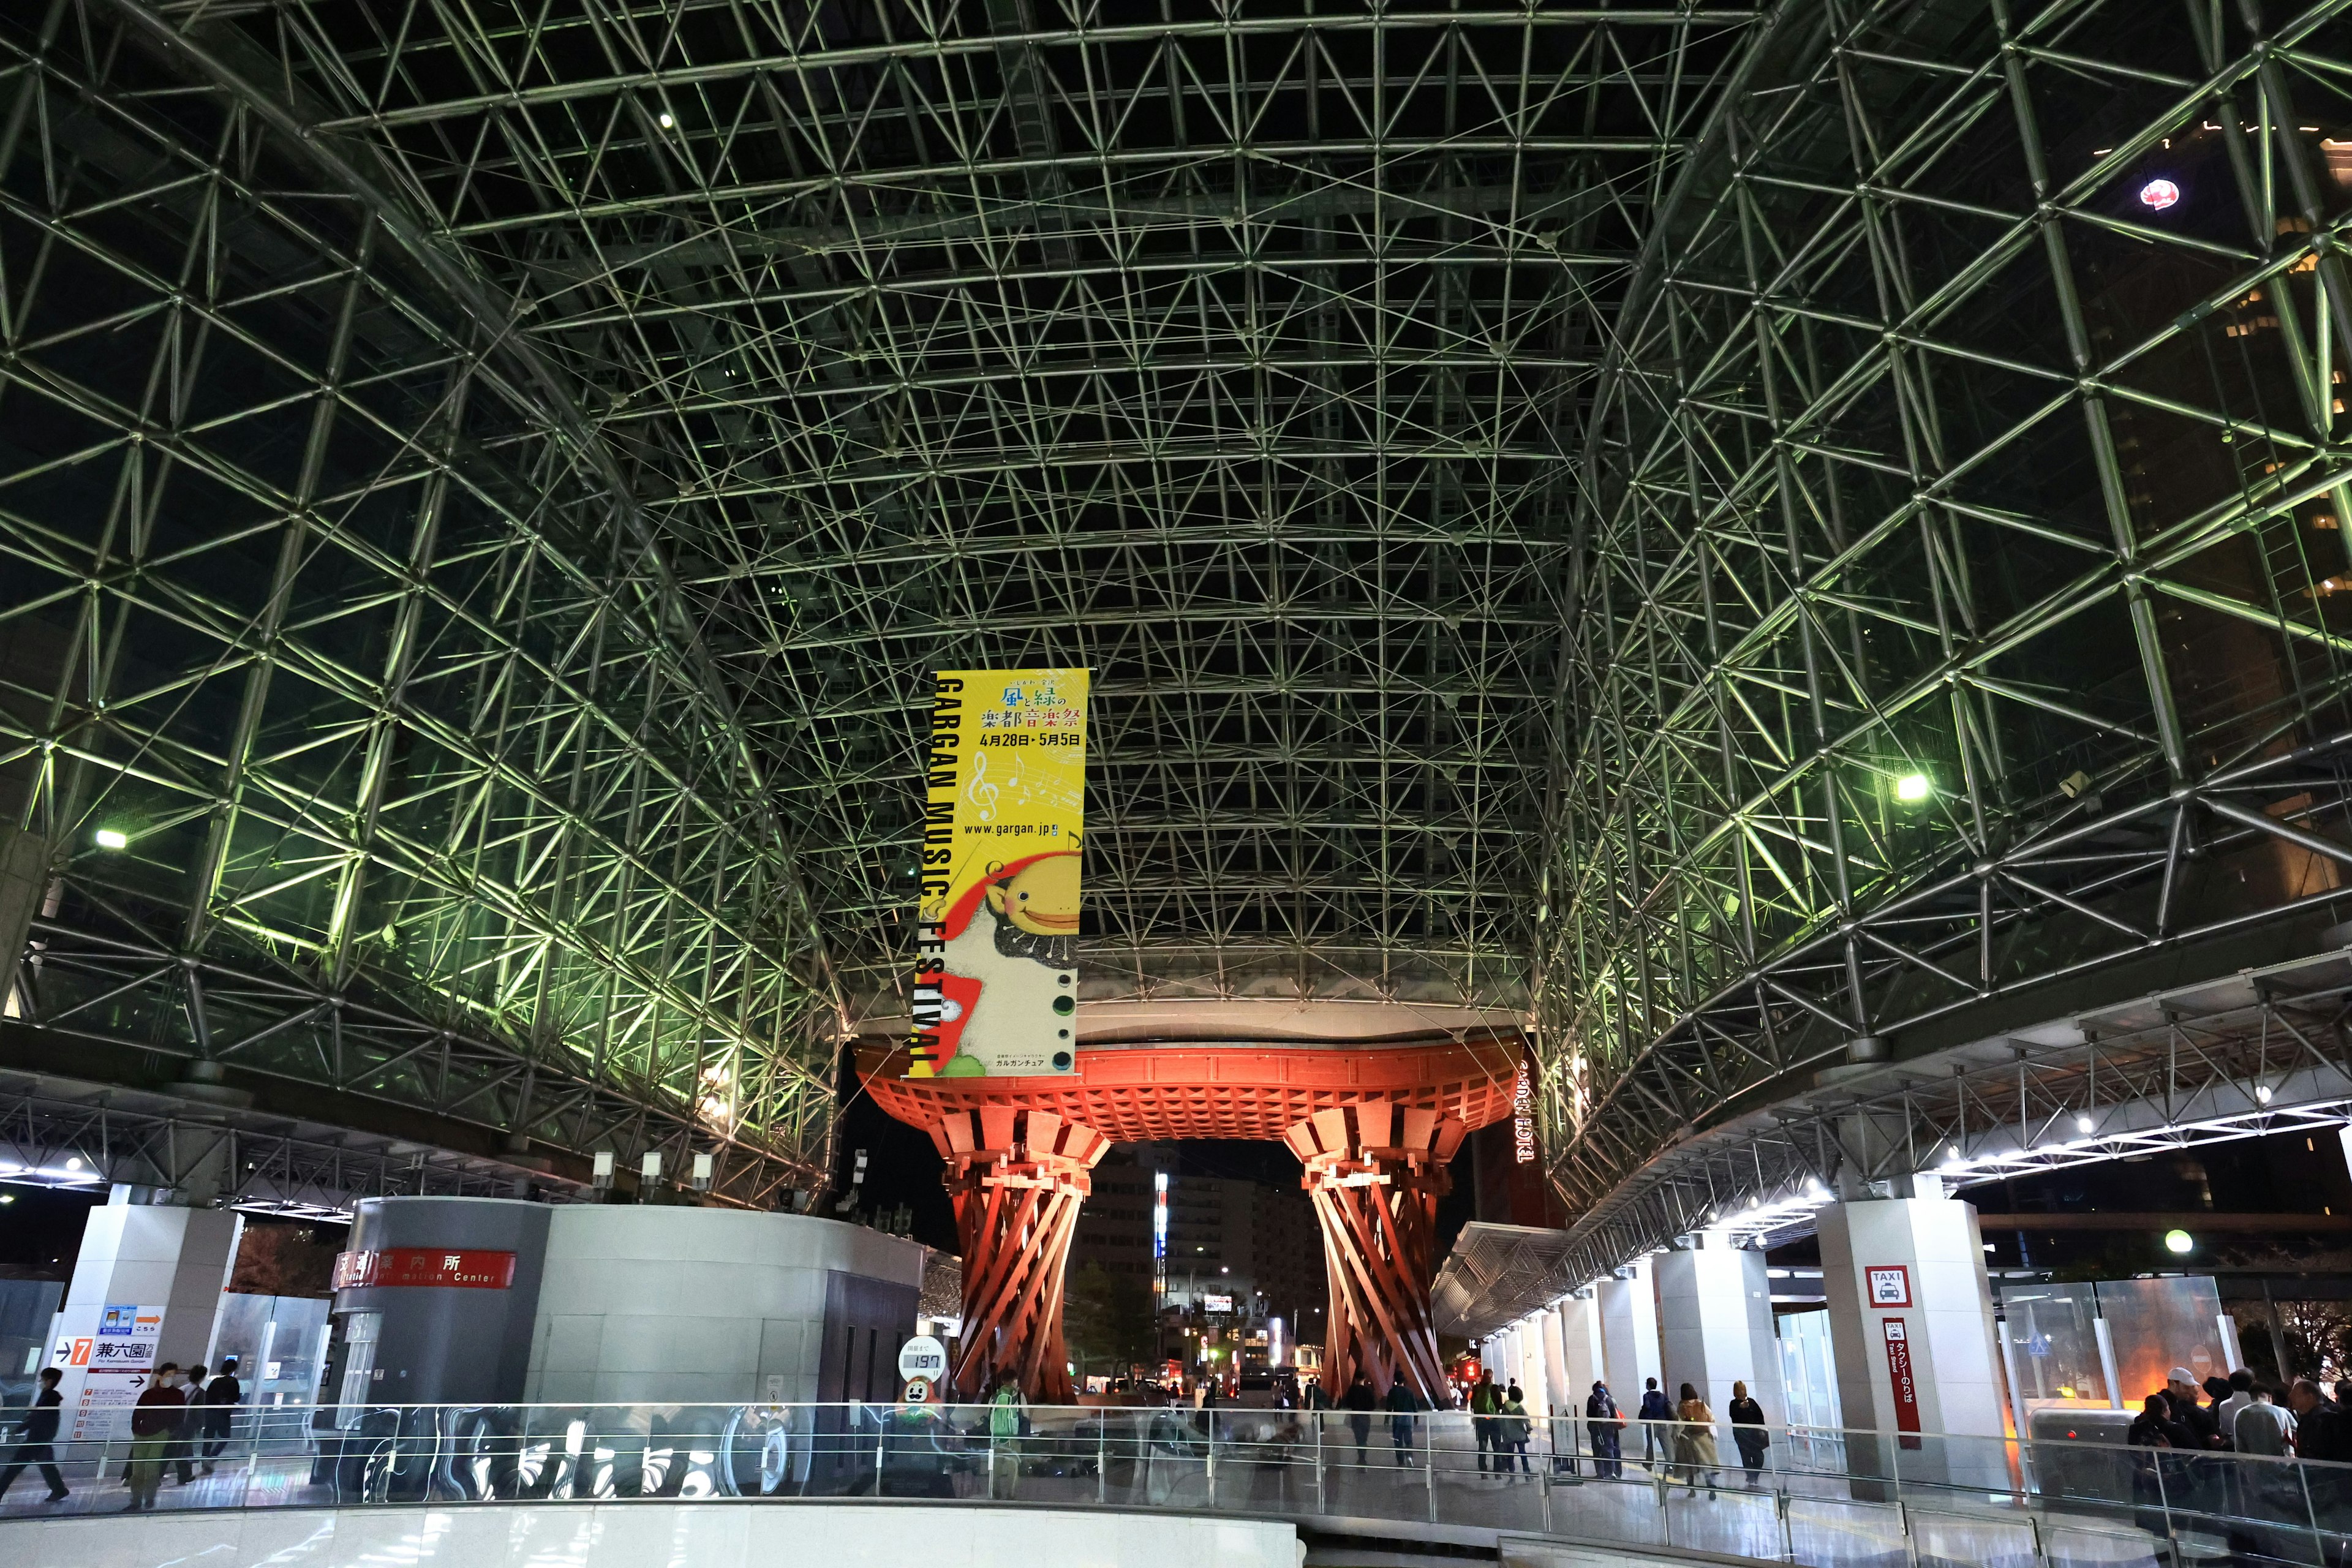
996,934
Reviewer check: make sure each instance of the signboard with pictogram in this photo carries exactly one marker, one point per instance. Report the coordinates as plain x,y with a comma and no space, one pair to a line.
107,1371
1906,1387
1889,1283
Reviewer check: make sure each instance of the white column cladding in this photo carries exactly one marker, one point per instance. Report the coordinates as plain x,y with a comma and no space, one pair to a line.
1629,1333
1581,1364
149,1256
1556,1397
1714,1324
1532,1383
1947,1331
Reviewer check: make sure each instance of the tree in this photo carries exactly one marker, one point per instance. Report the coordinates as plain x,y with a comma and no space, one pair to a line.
277,1259
1106,1320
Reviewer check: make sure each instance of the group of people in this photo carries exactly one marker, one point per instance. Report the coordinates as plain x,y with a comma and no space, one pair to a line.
1683,1431
180,1421
1499,1419
2242,1414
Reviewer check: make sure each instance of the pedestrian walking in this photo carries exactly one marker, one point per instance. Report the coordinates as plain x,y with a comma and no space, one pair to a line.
1655,1439
1511,1430
1694,1441
1748,1431
222,1395
1401,1402
1486,1403
155,1429
1359,1402
37,1436
1004,1418
1605,1424
192,1423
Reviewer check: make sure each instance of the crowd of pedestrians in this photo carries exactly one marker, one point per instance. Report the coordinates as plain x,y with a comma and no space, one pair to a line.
181,1422
2242,1414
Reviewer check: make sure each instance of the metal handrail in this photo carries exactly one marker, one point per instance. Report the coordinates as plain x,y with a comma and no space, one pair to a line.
1823,1497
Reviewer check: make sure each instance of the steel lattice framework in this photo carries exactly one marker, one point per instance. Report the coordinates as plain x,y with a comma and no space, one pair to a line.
1942,452
481,487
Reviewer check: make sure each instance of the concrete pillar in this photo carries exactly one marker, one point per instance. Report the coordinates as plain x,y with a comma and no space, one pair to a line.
1629,1333
1714,1324
146,1287
1908,1273
1581,1361
1557,1399
1532,1383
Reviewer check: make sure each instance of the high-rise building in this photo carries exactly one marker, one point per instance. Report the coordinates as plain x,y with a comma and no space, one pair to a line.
1226,1237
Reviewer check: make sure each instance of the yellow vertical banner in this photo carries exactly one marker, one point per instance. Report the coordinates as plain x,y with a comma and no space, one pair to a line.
996,934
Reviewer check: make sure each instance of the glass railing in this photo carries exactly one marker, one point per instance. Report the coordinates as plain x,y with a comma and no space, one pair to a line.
1822,1497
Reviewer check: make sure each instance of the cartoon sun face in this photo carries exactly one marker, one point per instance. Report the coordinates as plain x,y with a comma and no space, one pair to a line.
1042,898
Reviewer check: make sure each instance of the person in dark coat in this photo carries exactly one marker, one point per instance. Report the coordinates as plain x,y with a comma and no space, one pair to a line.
1747,1430
222,1396
1359,1402
1401,1402
1606,1425
1655,1408
154,1433
2322,1431
36,1435
192,1427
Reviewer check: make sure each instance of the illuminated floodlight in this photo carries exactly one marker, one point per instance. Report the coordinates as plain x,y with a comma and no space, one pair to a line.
1913,788
113,838
2262,1093
2157,194
2179,1241
2081,1124
74,1164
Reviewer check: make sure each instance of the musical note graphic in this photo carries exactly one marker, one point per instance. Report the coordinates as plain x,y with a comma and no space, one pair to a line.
981,793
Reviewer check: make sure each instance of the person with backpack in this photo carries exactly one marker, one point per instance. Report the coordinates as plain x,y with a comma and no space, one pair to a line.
1606,1425
1512,1427
1486,1403
1006,1417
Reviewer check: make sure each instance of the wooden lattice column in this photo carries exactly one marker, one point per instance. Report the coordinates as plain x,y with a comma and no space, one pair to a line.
1375,1172
1017,1178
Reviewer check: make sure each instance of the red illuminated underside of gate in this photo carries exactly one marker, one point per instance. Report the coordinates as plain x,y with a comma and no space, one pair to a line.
1375,1173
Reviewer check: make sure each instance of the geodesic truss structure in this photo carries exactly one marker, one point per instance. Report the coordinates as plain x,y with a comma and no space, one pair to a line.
486,487
482,487
1957,643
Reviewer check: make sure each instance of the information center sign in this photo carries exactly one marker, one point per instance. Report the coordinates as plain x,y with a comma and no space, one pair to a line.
424,1266
996,934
